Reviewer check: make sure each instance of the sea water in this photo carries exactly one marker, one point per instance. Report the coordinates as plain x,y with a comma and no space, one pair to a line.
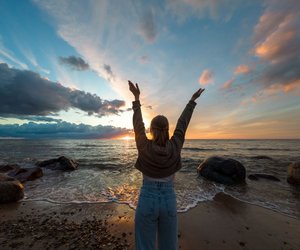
106,171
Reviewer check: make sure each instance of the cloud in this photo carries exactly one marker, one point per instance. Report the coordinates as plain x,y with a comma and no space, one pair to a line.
76,63
32,59
277,45
206,77
147,26
272,91
61,130
10,56
227,84
109,72
105,32
241,69
24,92
214,9
32,118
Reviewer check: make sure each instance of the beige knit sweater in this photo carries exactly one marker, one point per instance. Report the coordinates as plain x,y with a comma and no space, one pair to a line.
153,160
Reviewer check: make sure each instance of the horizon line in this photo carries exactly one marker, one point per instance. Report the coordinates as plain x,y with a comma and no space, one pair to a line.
55,138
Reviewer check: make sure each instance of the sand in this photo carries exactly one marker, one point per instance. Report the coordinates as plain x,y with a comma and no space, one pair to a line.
224,223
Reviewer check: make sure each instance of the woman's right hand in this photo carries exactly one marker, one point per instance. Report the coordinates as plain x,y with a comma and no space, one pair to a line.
134,89
197,94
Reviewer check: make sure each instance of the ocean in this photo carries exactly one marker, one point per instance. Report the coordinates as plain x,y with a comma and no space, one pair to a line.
106,171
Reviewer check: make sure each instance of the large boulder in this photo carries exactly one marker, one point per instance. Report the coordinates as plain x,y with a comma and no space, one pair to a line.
256,177
222,170
294,173
11,190
8,167
26,174
61,163
21,174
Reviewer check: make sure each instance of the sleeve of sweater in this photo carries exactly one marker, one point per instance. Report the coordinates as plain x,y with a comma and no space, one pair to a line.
138,125
182,124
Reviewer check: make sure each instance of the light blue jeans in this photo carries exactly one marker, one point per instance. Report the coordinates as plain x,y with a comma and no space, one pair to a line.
156,217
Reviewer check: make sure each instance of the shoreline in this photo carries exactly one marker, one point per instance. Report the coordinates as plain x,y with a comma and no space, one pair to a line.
178,212
223,223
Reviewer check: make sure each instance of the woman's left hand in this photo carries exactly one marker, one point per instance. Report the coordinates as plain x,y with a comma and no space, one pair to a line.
197,94
134,90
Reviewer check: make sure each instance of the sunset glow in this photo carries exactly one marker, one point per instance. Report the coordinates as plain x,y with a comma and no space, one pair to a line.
127,137
68,76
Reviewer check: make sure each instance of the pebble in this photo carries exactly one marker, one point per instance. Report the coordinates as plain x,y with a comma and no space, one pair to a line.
52,233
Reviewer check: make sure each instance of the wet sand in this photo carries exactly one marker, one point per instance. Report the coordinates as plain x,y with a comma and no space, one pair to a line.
227,223
224,223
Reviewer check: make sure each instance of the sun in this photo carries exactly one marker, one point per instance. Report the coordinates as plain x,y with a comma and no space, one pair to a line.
127,137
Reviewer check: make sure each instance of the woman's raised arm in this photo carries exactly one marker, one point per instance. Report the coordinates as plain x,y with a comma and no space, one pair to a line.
138,124
184,119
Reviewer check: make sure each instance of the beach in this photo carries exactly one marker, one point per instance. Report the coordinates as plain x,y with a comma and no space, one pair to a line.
93,206
223,223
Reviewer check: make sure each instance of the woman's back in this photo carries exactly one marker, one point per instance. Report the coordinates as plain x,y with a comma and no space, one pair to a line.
160,161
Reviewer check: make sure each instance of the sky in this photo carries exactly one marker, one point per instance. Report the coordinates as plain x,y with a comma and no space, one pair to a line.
64,67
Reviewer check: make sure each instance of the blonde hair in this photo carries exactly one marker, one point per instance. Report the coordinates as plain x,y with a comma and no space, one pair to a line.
159,130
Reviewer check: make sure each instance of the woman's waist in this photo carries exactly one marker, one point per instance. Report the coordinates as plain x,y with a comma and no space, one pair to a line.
157,188
158,184
167,179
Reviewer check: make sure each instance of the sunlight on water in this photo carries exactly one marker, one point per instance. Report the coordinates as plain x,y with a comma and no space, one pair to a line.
123,194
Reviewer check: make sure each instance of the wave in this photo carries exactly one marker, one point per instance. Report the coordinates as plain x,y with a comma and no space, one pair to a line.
102,166
204,149
272,149
264,204
82,146
181,209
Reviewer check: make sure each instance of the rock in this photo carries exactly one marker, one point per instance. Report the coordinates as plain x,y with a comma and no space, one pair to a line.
222,170
8,167
61,163
262,157
21,174
26,174
294,173
256,177
11,190
4,177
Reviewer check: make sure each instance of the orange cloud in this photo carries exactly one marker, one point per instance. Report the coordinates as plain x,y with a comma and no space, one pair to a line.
273,91
277,44
292,87
275,47
241,69
227,84
206,77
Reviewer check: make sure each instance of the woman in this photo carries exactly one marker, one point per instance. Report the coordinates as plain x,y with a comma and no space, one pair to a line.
158,160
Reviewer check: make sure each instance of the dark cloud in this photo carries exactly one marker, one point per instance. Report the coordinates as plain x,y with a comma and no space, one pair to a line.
76,63
33,118
147,26
23,92
40,118
60,130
